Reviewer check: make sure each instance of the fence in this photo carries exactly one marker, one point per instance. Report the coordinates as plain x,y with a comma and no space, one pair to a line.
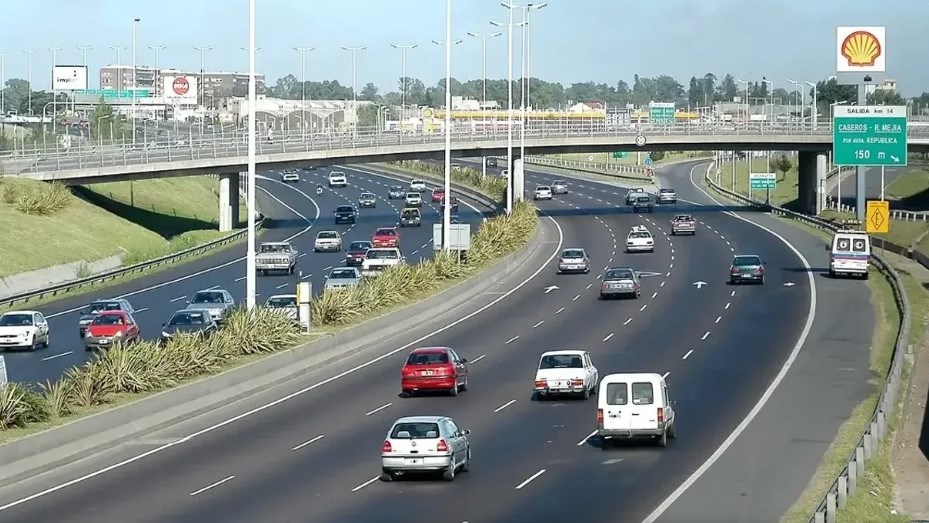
629,172
846,484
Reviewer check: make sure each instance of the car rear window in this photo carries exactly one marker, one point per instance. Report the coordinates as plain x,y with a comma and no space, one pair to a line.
385,232
342,273
415,431
746,260
561,361
327,235
208,297
543,188
643,393
427,358
359,246
617,393
639,235
572,254
666,190
344,208
622,274
378,254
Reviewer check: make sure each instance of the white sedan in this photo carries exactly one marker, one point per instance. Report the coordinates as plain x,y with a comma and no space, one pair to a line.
566,372
543,192
327,241
640,240
23,330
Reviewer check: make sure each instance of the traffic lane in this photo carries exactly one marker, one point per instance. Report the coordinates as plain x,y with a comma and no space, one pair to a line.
872,182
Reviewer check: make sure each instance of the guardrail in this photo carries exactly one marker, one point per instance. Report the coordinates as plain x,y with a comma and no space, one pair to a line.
628,172
846,484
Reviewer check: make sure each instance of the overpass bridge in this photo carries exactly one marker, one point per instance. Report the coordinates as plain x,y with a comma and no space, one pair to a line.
226,154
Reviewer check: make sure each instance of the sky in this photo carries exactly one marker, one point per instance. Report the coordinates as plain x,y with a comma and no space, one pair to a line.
571,40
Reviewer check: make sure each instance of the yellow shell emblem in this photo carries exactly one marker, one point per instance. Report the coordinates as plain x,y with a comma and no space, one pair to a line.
861,48
428,113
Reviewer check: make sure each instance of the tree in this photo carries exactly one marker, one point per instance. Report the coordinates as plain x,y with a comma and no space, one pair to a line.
367,115
885,97
369,92
727,89
709,88
656,156
695,92
287,87
830,91
782,163
16,96
105,123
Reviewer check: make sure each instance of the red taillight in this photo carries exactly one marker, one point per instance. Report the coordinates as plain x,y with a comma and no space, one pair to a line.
599,417
577,382
759,270
386,447
562,260
734,270
540,384
660,415
441,446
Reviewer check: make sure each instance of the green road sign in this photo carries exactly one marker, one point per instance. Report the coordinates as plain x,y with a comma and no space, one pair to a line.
661,112
619,154
870,136
762,180
113,93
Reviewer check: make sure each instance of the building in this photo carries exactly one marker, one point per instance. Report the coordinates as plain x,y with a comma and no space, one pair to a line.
214,83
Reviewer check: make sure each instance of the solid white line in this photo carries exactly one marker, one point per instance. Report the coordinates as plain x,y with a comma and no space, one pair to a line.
382,407
717,319
179,298
511,340
643,308
627,321
529,480
56,356
727,305
691,351
705,336
538,324
583,441
365,484
766,396
479,358
576,298
589,285
305,276
505,405
559,311
610,335
142,309
214,485
310,442
666,374
212,288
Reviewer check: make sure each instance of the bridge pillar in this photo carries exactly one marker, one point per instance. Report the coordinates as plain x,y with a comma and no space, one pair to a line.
228,201
811,171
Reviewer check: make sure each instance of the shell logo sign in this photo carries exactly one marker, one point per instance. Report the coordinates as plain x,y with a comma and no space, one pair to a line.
860,49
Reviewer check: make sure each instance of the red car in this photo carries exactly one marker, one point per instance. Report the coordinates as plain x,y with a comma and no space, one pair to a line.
434,368
356,252
454,201
109,328
438,195
386,237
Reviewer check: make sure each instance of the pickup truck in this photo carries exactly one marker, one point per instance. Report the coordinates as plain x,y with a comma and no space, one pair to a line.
378,259
411,217
566,372
683,224
276,256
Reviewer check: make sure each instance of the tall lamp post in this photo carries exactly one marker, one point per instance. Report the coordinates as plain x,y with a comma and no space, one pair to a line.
448,43
250,272
135,23
303,52
54,51
815,108
2,82
354,51
83,49
29,53
527,101
119,58
203,49
403,50
484,37
797,91
509,109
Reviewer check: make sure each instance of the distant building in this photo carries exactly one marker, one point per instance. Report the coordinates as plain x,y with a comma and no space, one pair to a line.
293,115
215,83
587,107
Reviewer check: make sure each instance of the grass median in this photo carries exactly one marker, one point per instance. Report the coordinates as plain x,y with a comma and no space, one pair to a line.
628,158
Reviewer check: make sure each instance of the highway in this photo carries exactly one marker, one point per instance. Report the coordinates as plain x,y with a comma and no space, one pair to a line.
872,185
295,212
315,457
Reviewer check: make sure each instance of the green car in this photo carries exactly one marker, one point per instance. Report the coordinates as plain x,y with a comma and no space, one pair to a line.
746,268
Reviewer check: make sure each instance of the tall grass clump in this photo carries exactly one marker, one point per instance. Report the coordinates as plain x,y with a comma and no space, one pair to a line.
493,186
38,199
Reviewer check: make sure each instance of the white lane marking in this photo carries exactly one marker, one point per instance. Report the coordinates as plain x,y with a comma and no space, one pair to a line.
662,284
310,225
667,275
672,259
718,318
212,288
610,335
310,442
537,325
212,486
559,311
583,441
705,336
589,285
306,276
643,307
666,374
142,309
727,305
505,405
365,484
627,321
511,340
382,407
281,286
240,278
479,358
654,294
766,396
328,268
576,298
732,293
56,356
691,351
301,255
179,298
671,266
529,479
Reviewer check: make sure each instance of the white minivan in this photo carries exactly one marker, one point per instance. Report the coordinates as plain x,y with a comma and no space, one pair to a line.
634,406
850,254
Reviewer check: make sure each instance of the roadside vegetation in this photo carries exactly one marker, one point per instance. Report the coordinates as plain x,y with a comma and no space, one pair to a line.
631,158
493,186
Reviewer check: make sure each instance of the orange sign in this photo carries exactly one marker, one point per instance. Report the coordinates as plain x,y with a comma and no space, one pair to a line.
861,48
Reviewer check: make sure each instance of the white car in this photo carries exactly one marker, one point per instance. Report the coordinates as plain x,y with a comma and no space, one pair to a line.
417,186
425,444
414,199
566,372
560,187
635,406
285,304
640,240
378,259
337,179
542,192
327,241
290,175
23,330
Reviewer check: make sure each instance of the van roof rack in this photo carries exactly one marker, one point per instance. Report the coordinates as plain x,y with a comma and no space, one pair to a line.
849,225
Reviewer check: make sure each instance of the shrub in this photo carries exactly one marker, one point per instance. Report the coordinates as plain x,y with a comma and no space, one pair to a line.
19,406
39,199
493,186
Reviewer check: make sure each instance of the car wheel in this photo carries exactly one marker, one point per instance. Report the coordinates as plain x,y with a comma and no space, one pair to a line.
663,439
35,343
387,477
762,281
464,386
47,342
466,466
671,433
449,473
586,394
453,391
831,273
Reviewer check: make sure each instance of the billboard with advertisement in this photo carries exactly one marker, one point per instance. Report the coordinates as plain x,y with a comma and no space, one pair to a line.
860,49
69,77
180,90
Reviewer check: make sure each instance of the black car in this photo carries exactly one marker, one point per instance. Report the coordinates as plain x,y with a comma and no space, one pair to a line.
187,322
88,314
345,214
643,203
491,161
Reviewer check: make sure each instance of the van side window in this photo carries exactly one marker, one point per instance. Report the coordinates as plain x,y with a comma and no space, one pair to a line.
859,245
642,394
617,393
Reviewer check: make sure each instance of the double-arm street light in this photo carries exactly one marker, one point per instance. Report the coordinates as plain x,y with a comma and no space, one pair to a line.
509,110
303,52
354,51
484,37
250,269
202,49
54,51
403,50
448,43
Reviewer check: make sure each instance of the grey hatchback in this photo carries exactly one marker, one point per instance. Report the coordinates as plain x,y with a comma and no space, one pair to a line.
574,260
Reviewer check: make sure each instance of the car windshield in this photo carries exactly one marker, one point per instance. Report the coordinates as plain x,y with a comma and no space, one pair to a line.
341,274
328,235
367,196
385,232
427,358
573,254
208,297
344,208
187,318
412,195
109,319
408,213
379,254
272,248
396,188
639,234
336,175
683,218
16,320
438,191
620,274
359,246
561,361
558,182
415,431
98,306
746,260
282,301
666,190
417,182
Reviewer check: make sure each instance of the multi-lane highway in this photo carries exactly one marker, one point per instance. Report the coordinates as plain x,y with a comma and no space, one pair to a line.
315,457
295,212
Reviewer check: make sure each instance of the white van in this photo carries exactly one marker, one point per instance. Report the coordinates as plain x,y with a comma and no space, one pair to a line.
850,254
634,406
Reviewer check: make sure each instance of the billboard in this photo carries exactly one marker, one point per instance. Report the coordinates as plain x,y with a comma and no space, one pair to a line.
69,77
180,90
860,49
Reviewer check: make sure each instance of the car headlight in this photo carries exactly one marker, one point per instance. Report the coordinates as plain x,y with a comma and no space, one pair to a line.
119,334
165,334
84,322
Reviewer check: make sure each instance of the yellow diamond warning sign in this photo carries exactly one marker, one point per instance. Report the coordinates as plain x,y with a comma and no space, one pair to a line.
878,217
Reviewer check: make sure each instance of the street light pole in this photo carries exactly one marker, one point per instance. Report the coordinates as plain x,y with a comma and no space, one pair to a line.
54,51
83,49
815,109
446,215
250,272
796,92
303,51
157,49
203,49
484,37
29,53
2,83
354,51
135,23
119,58
403,49
509,109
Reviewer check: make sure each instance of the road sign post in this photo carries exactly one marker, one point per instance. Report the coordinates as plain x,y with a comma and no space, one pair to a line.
869,136
877,219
